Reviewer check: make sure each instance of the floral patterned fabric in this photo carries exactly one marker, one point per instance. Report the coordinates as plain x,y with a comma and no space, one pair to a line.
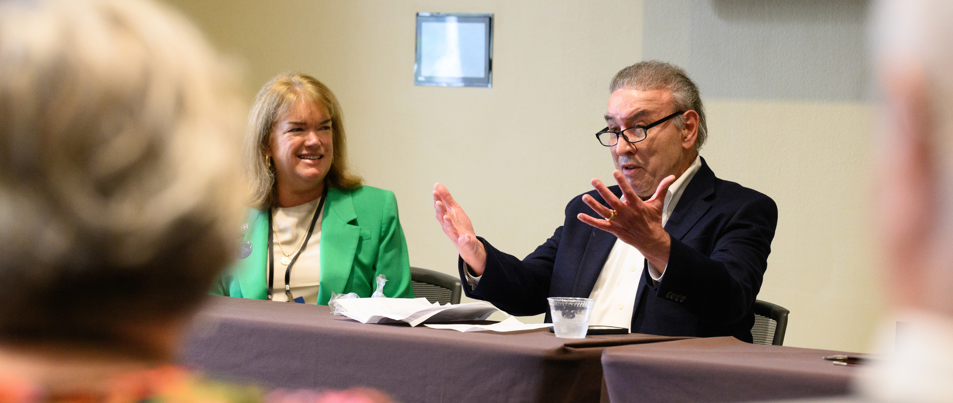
161,384
169,384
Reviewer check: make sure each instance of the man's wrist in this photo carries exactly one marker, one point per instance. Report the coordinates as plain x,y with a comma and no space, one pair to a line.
471,278
469,270
476,261
661,254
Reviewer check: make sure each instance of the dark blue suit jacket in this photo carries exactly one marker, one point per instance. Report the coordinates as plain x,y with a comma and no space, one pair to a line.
721,237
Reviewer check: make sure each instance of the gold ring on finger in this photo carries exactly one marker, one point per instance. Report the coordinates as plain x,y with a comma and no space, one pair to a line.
611,215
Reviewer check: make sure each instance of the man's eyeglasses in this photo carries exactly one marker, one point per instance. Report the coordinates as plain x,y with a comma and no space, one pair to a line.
632,135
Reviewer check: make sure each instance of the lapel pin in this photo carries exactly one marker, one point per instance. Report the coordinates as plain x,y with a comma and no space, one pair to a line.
244,249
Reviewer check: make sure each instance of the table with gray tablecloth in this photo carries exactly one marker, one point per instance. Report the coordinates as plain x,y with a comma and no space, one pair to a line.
720,369
304,346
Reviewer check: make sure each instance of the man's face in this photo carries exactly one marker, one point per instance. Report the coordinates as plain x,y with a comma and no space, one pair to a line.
666,150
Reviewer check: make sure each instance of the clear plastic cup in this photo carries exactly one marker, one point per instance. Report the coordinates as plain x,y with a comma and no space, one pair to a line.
571,316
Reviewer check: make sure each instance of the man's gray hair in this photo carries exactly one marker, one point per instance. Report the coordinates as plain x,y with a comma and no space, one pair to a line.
653,75
120,197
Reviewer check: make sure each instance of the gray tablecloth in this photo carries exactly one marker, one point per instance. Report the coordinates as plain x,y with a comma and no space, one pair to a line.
721,369
304,346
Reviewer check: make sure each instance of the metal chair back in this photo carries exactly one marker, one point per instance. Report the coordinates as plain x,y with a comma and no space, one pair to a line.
770,323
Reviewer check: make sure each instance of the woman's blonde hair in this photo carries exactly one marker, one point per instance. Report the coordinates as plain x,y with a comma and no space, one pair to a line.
276,97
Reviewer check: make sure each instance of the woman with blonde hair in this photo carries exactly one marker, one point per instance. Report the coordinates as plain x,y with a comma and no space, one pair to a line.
313,230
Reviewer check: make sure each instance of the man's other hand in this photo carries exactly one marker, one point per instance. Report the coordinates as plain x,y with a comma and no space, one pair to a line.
456,225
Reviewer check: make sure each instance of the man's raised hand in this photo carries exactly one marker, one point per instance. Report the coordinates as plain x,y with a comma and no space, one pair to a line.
458,228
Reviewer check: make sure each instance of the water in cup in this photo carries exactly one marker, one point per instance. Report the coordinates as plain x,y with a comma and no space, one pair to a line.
571,330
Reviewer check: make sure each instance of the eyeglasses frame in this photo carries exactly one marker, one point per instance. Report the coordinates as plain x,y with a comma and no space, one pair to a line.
645,128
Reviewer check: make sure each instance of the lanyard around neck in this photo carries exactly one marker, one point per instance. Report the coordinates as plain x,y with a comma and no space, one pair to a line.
271,249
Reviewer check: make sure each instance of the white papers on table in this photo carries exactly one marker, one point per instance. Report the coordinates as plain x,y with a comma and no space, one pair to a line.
509,324
412,311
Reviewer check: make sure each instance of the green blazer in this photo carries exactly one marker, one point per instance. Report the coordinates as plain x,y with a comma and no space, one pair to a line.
361,237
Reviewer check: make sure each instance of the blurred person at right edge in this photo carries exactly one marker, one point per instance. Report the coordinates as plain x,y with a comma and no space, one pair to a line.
912,42
119,196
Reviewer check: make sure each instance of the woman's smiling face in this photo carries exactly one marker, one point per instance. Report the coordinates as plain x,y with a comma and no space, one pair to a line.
302,149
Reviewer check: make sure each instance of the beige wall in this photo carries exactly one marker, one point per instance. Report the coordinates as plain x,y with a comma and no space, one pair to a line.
513,155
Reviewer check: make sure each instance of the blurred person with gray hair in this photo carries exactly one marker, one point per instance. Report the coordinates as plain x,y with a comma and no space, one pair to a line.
119,197
118,185
914,204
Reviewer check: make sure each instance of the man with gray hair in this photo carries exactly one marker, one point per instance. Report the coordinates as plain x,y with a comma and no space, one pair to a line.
672,250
